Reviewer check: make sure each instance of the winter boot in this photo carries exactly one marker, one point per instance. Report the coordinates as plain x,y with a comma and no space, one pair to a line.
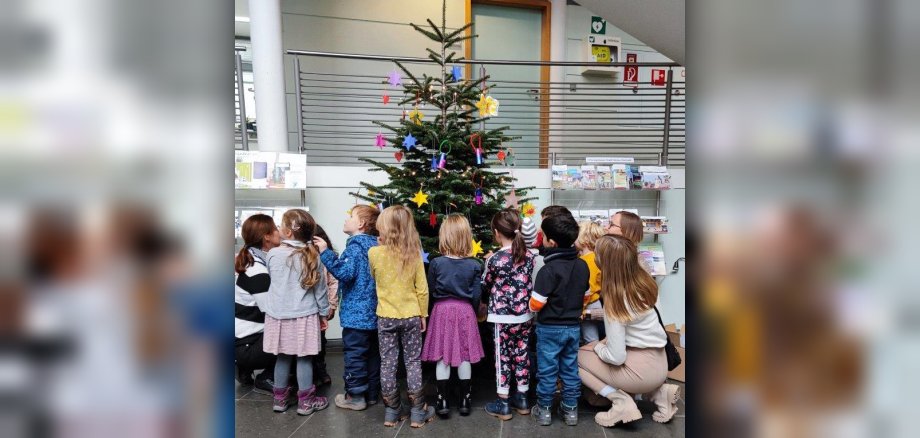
624,410
281,399
499,408
353,402
519,403
421,412
465,394
665,398
308,402
393,412
542,414
442,407
569,414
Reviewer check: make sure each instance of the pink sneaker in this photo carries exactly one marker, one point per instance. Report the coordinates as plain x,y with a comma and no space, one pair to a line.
308,402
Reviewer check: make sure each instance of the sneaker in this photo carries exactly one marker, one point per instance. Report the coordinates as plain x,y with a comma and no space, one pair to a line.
542,415
499,408
308,402
347,401
420,413
568,414
281,399
263,384
519,403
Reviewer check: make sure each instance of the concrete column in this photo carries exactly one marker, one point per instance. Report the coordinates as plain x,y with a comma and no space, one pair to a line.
268,74
557,74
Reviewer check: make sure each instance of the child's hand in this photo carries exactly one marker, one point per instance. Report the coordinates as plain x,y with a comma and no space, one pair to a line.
320,244
424,325
323,325
331,314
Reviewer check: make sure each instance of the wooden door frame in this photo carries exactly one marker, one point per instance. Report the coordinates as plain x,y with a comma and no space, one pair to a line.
545,7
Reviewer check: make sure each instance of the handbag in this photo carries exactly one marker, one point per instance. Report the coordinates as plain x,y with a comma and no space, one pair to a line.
669,349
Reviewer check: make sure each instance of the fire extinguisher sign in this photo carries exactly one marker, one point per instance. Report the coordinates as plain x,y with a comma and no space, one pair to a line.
631,72
658,77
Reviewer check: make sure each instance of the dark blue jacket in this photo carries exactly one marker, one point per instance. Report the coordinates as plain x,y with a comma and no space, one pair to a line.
357,289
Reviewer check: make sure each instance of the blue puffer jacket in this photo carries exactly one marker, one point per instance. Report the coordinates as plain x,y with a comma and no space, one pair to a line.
357,289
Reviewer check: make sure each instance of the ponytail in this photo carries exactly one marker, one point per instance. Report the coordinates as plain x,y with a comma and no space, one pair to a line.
518,248
310,262
243,260
303,228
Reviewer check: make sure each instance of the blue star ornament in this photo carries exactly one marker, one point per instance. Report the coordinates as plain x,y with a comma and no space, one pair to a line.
425,256
409,142
458,73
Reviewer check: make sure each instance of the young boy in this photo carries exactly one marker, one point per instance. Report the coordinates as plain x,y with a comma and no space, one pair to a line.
558,298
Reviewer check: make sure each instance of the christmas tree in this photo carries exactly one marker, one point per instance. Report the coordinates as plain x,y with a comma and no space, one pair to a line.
444,159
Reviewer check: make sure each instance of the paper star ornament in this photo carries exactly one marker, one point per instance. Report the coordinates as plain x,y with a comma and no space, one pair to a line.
477,248
425,257
528,209
409,142
416,116
511,199
386,99
394,78
381,142
420,198
487,106
457,72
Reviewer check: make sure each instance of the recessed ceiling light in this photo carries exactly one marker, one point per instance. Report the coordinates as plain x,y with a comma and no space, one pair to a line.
241,19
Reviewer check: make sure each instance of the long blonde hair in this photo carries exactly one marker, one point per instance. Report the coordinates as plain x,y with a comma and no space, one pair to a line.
303,228
397,230
588,233
626,289
455,237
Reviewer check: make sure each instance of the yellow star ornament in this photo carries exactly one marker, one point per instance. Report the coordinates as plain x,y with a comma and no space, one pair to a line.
416,116
528,209
420,198
477,248
487,106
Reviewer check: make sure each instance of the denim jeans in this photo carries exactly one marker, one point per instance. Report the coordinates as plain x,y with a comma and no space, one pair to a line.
557,356
362,362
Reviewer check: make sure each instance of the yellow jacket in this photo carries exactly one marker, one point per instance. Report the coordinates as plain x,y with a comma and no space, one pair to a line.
399,295
594,281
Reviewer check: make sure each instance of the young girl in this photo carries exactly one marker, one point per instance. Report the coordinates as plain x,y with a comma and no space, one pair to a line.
507,284
297,309
454,284
320,374
588,233
632,359
402,306
359,307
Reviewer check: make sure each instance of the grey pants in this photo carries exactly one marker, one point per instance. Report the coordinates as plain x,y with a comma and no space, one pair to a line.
393,332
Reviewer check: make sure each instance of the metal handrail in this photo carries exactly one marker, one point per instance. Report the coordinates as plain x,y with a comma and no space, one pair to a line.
479,61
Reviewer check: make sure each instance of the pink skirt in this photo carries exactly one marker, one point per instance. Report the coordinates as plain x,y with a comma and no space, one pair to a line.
453,335
296,336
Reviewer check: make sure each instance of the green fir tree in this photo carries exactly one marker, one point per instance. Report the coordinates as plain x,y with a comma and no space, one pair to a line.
456,121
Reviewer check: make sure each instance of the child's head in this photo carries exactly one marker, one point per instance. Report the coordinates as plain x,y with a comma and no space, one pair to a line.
628,225
626,288
455,237
588,233
321,233
397,230
554,210
362,219
259,231
507,223
560,231
298,225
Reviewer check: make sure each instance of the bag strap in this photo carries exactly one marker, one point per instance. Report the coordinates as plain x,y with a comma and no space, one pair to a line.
661,323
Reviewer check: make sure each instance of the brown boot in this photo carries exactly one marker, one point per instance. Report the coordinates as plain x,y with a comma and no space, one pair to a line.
421,413
665,398
393,409
624,410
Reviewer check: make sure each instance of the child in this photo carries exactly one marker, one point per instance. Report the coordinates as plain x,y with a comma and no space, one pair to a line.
588,233
296,312
359,307
402,306
506,285
557,297
454,284
552,210
320,375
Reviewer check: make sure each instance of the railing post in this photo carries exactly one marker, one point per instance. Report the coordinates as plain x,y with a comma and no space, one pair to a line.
663,159
244,131
298,104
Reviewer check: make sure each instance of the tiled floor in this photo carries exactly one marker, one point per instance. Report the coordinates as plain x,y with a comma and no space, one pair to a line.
254,418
